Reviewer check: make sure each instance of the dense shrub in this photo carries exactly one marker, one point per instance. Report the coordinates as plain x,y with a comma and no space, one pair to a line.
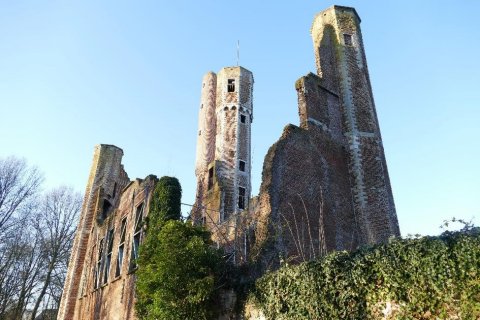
178,268
429,277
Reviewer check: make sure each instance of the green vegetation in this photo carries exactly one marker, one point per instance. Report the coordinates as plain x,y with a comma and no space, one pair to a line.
421,278
418,278
165,203
178,267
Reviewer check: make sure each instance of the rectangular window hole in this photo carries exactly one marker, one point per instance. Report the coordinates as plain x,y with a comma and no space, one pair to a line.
241,198
231,85
348,39
241,165
210,179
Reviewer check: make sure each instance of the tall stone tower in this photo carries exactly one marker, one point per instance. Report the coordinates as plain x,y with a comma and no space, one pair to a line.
223,150
342,66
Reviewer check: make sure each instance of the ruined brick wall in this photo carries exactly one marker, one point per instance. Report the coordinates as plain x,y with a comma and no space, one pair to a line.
305,205
341,62
325,184
106,173
101,285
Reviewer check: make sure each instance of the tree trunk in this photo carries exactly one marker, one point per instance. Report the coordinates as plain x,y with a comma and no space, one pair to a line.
44,289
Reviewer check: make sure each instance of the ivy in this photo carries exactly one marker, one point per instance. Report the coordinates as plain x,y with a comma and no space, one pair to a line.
178,268
421,278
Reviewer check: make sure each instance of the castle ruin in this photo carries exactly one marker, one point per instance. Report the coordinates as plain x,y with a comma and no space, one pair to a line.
325,183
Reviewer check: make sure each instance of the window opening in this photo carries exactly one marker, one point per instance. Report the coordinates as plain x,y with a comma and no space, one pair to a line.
99,265
108,260
114,189
136,236
348,39
241,165
231,85
121,247
243,118
105,209
210,178
241,198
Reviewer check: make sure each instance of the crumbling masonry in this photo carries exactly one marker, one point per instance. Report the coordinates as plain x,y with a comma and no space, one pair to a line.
100,279
325,183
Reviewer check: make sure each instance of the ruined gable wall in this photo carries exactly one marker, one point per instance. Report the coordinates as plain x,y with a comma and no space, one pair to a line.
106,170
115,298
109,198
304,206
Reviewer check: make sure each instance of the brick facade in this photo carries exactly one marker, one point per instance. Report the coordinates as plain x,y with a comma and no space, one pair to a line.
325,183
223,163
100,279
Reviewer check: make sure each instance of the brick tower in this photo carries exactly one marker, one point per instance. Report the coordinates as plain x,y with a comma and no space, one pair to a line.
223,150
342,67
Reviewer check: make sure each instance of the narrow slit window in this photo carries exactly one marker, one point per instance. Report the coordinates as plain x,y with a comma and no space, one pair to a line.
210,179
241,198
136,236
98,269
108,260
93,266
241,165
231,85
121,247
348,39
243,118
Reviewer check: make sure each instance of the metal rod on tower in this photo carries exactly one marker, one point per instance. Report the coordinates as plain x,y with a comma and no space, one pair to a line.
238,52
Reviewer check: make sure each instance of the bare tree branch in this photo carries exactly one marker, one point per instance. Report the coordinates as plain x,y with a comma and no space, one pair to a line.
18,183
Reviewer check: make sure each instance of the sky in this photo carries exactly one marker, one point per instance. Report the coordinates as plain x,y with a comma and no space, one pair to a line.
74,74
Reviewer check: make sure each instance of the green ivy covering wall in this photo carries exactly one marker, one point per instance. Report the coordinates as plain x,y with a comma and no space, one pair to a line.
421,278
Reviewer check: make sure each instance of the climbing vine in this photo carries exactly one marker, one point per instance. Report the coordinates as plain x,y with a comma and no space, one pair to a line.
420,278
178,268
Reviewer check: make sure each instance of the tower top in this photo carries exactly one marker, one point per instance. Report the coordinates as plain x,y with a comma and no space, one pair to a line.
232,68
336,8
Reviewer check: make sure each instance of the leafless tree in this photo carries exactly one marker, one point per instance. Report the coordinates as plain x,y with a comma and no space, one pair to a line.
18,184
305,247
20,273
55,225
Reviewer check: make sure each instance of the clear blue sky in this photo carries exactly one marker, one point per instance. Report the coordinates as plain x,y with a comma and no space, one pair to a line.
77,73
